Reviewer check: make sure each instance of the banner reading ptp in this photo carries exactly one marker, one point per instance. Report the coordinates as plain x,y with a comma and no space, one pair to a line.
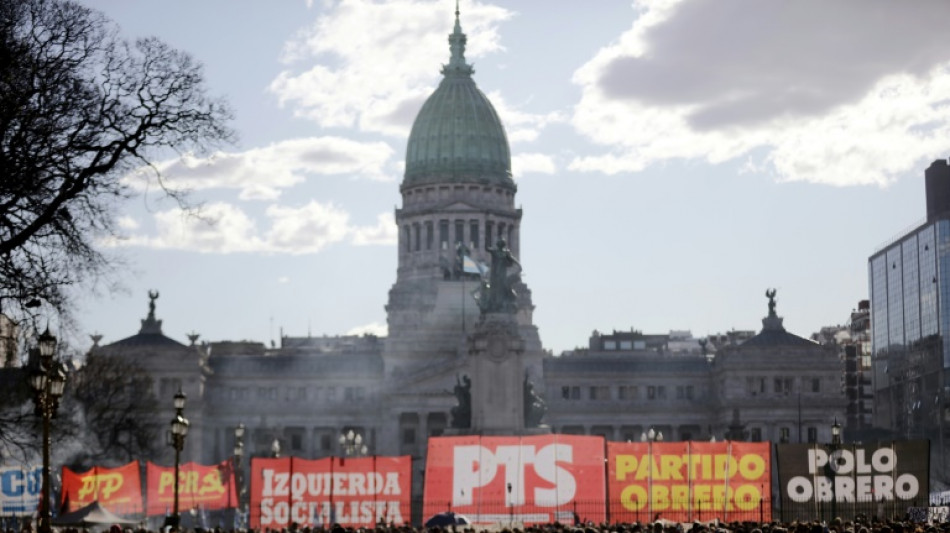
686,481
845,480
117,489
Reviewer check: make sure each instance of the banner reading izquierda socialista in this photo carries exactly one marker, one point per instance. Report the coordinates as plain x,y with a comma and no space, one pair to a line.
687,481
358,491
826,481
20,488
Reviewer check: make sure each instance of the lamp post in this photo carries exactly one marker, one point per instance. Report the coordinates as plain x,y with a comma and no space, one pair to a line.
833,465
275,449
179,428
351,444
48,381
238,456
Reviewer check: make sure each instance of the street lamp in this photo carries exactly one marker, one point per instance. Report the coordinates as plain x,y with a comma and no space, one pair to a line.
833,465
275,449
352,444
179,428
238,456
48,381
651,436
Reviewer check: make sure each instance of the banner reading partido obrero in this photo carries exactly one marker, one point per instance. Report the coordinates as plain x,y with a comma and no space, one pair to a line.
199,486
824,481
537,479
117,489
20,489
685,481
359,491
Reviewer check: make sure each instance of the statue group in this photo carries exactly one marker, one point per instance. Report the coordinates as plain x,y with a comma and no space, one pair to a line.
497,293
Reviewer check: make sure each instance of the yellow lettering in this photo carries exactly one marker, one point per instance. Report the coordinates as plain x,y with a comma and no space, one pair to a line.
751,466
633,497
166,480
625,464
747,497
211,483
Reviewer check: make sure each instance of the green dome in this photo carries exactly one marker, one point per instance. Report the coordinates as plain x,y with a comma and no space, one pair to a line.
457,135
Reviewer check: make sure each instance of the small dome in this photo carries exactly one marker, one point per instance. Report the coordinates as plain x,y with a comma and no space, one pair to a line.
457,135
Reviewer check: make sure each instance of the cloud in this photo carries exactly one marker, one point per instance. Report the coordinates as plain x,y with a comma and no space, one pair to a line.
261,173
384,232
815,84
532,164
373,328
372,64
519,125
224,228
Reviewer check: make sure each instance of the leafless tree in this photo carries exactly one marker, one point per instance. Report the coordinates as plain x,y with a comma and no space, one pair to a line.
112,408
81,108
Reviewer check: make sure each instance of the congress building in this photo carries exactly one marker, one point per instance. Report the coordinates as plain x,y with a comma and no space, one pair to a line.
458,203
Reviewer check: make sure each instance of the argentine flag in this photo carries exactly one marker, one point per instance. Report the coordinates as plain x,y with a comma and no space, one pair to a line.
471,266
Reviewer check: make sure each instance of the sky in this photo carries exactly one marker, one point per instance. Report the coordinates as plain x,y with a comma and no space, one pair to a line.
674,159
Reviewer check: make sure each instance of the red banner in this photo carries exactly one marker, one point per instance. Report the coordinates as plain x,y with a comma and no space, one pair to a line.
516,480
117,489
360,491
686,481
199,486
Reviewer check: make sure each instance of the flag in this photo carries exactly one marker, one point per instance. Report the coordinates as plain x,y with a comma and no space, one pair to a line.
471,266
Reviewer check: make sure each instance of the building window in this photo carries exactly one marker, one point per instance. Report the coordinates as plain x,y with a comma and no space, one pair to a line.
570,393
812,435
651,392
473,233
406,236
489,226
661,392
689,392
784,435
627,392
756,435
409,435
325,442
444,234
429,235
501,230
816,385
626,345
610,345
600,393
459,231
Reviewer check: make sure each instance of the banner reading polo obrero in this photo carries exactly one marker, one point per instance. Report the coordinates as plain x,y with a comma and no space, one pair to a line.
20,489
117,489
826,480
686,481
529,480
207,487
356,491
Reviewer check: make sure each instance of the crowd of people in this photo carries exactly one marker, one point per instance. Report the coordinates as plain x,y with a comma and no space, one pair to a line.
860,525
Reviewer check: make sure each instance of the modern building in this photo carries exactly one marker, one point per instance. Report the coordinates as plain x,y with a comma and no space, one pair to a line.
909,282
